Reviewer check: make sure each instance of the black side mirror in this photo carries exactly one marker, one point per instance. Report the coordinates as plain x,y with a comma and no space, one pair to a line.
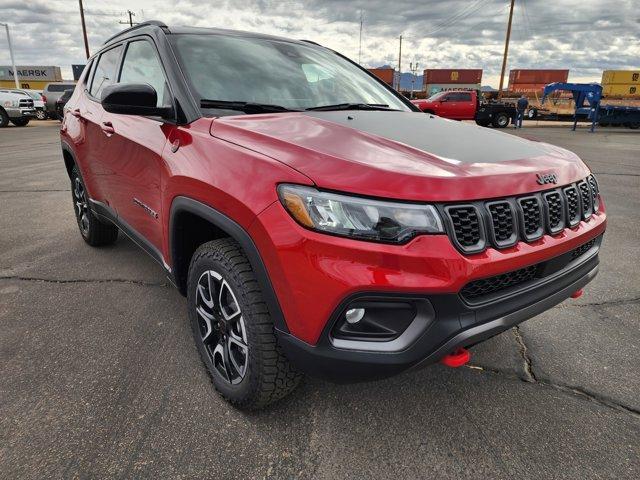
133,99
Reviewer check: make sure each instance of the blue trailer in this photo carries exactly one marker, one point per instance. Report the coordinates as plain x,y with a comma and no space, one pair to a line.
587,97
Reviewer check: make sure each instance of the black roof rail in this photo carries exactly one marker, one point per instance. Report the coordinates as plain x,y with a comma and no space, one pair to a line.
155,23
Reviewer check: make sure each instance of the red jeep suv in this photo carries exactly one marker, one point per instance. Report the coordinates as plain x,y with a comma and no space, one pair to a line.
315,220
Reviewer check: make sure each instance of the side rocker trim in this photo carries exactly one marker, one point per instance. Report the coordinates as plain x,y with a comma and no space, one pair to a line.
240,235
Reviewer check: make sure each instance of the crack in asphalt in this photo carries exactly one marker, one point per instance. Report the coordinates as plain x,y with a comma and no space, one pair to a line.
524,353
619,301
83,280
530,377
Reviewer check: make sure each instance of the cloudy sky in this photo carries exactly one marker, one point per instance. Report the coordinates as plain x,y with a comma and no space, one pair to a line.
585,36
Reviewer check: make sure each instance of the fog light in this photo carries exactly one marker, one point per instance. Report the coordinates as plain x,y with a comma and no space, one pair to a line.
354,315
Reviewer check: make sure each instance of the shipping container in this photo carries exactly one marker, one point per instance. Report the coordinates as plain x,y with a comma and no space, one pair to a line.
537,76
621,90
26,84
387,75
449,75
32,72
527,88
621,76
433,88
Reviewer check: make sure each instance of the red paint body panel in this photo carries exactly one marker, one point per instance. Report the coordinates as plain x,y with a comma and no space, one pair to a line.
312,272
340,158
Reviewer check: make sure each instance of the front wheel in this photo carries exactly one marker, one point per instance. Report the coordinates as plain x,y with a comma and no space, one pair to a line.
501,120
532,113
233,329
20,122
4,118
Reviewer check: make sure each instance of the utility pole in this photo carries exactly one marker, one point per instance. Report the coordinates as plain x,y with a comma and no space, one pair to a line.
130,22
506,50
414,70
360,47
84,30
13,62
400,64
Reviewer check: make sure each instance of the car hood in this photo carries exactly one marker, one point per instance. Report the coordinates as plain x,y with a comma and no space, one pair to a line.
403,155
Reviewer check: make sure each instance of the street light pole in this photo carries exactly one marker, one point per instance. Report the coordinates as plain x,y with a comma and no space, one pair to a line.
13,62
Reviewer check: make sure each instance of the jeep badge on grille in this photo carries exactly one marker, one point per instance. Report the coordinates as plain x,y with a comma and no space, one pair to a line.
544,178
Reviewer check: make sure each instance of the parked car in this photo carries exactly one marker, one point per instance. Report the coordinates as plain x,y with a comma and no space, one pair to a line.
52,92
61,102
315,220
467,105
38,102
15,108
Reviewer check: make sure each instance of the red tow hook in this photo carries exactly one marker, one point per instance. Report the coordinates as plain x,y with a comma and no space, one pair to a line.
458,358
577,293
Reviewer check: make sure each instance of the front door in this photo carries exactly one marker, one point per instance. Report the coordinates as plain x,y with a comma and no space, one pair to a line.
134,146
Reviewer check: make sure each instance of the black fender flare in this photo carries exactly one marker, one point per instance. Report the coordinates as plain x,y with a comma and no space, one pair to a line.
182,204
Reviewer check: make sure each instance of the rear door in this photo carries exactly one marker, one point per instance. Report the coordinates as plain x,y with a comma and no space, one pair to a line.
466,106
133,147
89,109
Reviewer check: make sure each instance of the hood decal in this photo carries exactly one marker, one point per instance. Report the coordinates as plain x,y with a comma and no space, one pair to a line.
450,141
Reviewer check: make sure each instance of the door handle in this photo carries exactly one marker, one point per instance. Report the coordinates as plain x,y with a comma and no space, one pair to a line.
107,128
76,113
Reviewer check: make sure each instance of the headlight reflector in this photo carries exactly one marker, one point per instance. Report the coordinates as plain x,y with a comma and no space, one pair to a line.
355,217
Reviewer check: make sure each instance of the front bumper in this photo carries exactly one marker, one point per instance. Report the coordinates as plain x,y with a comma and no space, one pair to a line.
17,113
315,276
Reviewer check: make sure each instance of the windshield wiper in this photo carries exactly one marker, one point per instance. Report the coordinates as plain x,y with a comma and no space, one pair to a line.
353,106
246,107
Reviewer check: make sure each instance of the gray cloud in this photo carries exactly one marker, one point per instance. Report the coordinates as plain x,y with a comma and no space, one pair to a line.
585,36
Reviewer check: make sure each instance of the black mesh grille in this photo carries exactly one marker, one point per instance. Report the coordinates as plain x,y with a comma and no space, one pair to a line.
466,225
502,221
486,286
531,216
573,205
479,288
554,204
582,249
595,190
587,200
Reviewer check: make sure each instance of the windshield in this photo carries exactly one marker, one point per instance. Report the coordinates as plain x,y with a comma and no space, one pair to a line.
34,95
274,72
437,96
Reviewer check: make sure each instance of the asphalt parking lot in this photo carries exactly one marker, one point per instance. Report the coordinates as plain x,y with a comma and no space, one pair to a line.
99,377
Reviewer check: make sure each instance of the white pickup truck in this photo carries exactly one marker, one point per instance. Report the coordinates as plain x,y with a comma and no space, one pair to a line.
16,109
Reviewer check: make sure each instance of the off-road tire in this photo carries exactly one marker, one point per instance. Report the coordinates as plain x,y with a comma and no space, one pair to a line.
20,122
94,231
4,118
268,376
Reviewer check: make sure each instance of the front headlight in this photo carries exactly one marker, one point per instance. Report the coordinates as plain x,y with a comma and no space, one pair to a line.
355,217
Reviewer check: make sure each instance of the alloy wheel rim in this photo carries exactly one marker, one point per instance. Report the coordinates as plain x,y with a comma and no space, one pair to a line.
221,327
82,207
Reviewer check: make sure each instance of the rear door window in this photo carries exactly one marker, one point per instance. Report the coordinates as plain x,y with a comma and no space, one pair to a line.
106,71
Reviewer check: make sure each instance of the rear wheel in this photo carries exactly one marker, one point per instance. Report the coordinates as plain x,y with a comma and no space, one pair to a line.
41,115
233,329
633,125
93,230
482,123
501,120
4,118
532,113
20,122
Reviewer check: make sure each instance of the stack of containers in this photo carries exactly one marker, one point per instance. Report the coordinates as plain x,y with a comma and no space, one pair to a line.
438,79
533,81
621,83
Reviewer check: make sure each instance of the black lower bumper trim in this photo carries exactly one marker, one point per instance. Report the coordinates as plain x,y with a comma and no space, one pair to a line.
457,325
